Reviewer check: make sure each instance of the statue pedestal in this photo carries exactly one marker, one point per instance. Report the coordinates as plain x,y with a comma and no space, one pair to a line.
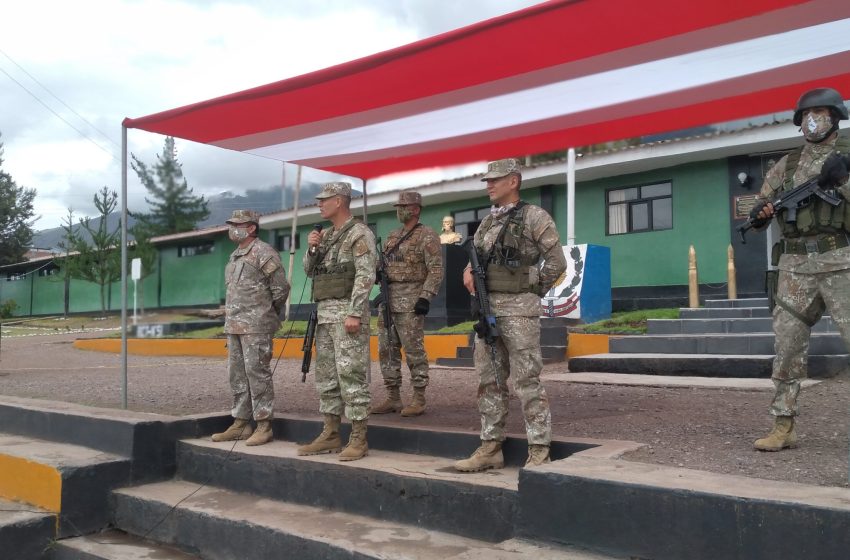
451,304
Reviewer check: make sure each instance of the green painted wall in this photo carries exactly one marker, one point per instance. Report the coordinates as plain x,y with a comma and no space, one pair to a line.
193,280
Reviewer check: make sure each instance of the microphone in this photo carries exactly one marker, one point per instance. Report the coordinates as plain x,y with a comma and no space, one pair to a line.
316,227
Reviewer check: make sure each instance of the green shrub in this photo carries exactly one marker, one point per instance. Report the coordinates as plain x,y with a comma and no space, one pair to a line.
7,308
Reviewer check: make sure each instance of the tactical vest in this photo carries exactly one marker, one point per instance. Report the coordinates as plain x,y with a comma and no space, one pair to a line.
404,266
508,270
816,216
334,280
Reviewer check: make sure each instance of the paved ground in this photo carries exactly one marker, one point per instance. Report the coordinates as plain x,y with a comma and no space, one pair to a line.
708,426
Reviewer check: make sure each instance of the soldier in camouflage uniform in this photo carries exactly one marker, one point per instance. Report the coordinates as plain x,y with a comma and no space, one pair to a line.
341,261
814,266
413,264
511,242
256,295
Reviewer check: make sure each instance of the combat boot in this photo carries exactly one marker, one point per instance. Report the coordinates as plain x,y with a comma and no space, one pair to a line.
240,429
391,404
326,442
263,433
488,456
781,436
357,447
417,406
537,455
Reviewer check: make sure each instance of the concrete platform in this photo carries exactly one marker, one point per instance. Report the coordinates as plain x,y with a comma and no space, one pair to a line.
114,545
25,531
220,524
638,380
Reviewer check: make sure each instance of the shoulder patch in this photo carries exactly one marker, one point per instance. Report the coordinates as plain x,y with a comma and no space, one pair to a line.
360,247
270,266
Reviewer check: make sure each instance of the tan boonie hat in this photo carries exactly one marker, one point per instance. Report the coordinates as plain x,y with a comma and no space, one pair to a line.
335,189
408,197
243,217
502,167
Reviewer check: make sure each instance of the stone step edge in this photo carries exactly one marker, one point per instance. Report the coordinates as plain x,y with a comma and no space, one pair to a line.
111,544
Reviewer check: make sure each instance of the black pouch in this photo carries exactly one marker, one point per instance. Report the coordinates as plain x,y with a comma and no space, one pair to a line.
771,283
775,253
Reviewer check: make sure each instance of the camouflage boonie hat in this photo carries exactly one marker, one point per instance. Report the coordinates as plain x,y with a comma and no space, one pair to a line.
502,167
335,189
408,197
243,217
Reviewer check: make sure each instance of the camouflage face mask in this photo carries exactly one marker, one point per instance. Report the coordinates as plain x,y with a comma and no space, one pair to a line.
816,127
403,214
237,234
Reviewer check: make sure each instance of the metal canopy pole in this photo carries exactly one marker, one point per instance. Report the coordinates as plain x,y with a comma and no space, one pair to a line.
293,234
365,204
123,266
571,196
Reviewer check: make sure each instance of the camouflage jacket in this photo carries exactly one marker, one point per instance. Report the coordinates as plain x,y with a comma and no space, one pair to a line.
809,165
415,268
539,241
256,290
357,245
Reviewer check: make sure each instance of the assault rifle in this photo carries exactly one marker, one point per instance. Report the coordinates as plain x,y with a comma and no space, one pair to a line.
485,326
384,296
790,201
309,338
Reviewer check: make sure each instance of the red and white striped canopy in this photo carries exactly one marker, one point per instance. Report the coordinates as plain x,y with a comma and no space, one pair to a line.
558,74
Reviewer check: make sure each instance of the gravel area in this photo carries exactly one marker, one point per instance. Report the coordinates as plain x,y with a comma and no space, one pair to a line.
702,428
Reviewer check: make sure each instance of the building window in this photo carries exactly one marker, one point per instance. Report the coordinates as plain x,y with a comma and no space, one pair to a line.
467,221
195,250
644,208
283,242
15,276
48,271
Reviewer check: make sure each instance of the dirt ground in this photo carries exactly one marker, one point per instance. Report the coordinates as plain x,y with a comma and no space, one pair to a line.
707,429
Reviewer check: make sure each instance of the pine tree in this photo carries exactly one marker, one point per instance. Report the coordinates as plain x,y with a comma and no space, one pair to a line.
16,218
174,208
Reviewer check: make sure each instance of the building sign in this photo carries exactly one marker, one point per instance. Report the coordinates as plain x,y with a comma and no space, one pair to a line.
743,205
584,290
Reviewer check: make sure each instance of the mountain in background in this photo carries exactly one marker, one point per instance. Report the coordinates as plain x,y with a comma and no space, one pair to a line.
264,200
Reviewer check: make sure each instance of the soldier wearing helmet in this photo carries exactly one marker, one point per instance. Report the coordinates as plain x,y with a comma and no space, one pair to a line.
813,256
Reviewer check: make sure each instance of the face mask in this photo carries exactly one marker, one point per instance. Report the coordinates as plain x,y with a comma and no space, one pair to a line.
403,214
816,127
237,234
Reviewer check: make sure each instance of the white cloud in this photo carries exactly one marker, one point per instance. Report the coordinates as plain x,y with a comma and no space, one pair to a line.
110,59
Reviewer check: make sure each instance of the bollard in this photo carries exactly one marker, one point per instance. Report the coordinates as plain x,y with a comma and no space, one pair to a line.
731,280
693,283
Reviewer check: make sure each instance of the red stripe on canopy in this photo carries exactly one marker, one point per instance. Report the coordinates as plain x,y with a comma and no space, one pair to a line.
546,43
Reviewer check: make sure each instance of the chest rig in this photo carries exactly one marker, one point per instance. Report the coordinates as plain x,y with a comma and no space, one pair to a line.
402,263
333,279
508,269
816,216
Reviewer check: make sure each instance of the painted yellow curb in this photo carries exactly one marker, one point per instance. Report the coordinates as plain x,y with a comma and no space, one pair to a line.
584,344
436,346
32,483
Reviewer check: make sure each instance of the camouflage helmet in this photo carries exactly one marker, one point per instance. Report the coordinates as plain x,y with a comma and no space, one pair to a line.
820,97
243,217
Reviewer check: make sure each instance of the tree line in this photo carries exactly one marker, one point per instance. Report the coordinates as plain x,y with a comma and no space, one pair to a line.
91,250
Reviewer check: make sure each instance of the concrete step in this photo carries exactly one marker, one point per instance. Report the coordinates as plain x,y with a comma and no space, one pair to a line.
636,510
114,545
736,303
222,524
71,480
421,490
823,344
722,312
455,362
725,326
464,356
25,531
700,365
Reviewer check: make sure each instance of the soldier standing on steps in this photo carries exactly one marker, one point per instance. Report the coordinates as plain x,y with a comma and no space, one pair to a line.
511,242
256,295
813,254
414,268
341,261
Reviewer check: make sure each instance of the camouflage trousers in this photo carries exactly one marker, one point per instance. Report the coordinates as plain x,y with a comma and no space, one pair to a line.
248,359
408,332
517,354
341,362
801,301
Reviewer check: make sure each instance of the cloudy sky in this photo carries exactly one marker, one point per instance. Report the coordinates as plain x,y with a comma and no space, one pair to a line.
71,71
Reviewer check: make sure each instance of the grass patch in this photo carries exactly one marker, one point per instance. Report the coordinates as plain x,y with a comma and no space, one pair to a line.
460,328
630,322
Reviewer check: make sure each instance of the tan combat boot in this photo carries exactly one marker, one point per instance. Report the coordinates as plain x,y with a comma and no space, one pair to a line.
326,442
781,436
357,447
488,456
537,455
391,404
417,406
263,434
240,429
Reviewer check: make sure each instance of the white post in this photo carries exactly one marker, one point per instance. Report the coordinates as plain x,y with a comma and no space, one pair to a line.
571,196
123,266
293,230
136,275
